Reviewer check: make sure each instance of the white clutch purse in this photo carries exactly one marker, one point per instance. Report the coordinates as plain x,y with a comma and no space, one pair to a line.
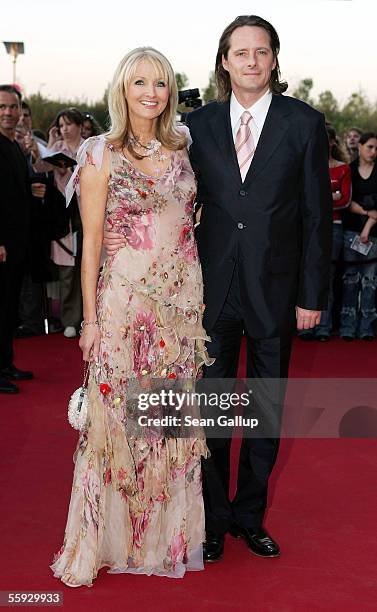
79,403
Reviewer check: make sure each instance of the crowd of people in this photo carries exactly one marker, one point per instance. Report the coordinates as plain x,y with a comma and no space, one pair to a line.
167,305
41,239
353,175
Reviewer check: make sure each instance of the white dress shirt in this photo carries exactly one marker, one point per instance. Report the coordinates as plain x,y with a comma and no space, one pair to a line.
258,112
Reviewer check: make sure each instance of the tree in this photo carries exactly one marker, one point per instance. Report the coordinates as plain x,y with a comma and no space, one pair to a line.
357,111
45,110
210,92
328,105
181,79
303,90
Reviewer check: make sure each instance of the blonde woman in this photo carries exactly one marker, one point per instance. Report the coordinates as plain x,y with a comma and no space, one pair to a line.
136,502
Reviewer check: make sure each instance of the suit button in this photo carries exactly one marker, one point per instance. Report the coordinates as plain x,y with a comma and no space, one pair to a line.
242,192
240,226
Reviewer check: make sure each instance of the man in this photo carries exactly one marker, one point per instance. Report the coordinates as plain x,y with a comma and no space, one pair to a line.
351,140
31,296
26,122
15,202
261,161
264,239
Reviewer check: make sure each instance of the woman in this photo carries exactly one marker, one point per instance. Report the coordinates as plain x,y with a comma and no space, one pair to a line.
340,175
65,137
90,126
360,275
136,502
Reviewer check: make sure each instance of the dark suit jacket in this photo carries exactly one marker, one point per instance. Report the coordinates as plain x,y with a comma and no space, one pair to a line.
276,226
15,200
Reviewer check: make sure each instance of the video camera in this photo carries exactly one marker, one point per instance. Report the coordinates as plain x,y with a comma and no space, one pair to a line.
190,98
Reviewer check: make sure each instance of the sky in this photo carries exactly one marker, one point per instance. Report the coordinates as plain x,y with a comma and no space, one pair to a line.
72,47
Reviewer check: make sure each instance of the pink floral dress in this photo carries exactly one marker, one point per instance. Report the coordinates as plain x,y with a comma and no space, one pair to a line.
136,503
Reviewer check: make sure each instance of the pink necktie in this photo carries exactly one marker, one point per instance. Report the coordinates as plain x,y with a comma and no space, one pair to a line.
244,144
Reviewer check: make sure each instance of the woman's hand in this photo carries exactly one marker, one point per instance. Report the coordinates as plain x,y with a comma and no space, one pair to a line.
112,242
89,342
53,137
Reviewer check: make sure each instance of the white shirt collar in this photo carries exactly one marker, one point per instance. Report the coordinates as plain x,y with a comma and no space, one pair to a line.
258,111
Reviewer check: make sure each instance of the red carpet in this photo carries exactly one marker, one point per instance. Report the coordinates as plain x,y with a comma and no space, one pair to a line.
324,497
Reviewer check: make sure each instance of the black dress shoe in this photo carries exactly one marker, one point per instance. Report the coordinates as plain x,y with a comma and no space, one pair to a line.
213,548
347,338
306,337
7,387
23,331
368,338
259,542
14,373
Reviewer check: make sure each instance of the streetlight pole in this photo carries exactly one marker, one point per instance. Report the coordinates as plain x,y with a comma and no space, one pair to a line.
14,49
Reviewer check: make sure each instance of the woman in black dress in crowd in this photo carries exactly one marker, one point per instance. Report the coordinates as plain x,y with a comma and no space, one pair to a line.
360,275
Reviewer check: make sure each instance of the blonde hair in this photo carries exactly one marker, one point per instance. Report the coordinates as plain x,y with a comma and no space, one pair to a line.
120,126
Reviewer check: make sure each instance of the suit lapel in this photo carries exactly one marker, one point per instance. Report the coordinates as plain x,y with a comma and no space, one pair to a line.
222,133
274,128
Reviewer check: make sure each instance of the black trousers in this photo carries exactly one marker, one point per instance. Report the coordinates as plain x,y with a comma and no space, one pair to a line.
267,359
11,273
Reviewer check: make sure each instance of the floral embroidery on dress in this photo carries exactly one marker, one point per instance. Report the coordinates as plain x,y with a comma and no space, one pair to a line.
145,331
136,503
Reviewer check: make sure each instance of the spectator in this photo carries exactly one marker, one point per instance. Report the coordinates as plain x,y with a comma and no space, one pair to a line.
30,306
15,207
90,126
351,140
340,174
65,136
26,121
37,283
360,275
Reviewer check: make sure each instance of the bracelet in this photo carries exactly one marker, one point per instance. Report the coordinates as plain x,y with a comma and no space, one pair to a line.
83,323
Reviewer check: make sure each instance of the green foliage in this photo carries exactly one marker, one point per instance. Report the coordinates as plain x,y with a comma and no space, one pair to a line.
182,80
303,90
44,110
210,92
328,105
182,83
357,111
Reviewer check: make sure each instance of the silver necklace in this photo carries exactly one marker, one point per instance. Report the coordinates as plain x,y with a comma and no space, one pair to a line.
152,151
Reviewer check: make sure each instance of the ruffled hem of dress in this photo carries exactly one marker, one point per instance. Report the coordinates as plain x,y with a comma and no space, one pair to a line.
194,564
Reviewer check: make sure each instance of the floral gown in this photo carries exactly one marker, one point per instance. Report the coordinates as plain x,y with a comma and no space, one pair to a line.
136,503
